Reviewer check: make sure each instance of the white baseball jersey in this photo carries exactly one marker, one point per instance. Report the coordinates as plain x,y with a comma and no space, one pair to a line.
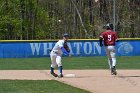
57,47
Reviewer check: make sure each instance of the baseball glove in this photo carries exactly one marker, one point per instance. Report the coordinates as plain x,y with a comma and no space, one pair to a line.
66,47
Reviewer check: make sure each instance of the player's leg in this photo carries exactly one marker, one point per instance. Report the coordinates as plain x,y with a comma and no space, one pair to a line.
59,63
113,56
53,64
109,56
109,62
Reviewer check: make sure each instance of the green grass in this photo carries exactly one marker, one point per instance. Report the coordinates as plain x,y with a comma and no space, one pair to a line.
45,86
37,86
132,62
124,62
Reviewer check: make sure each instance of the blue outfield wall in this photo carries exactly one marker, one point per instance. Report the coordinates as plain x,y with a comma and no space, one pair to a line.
23,49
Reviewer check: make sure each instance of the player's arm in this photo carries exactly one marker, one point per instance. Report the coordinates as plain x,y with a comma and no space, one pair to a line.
117,38
100,40
61,45
65,51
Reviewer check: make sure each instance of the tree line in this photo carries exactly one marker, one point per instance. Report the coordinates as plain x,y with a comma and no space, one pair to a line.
49,19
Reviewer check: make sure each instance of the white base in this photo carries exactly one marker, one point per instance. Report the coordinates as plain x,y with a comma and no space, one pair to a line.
70,75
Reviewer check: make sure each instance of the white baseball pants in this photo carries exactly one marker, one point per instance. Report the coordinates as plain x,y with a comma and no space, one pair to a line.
55,59
111,54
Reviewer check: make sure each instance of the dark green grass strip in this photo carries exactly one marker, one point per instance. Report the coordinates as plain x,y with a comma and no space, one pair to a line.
37,86
132,62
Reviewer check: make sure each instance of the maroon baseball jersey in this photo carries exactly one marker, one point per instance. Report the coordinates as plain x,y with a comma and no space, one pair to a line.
109,37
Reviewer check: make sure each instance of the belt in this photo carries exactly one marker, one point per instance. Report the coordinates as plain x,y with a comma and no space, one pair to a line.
109,45
55,52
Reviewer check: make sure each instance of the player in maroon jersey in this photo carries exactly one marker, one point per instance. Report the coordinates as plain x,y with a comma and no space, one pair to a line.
110,37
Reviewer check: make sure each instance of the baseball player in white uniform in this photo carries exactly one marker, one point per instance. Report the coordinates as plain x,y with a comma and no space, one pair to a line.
56,54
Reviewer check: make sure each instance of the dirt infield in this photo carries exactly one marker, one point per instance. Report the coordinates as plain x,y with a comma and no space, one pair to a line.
96,81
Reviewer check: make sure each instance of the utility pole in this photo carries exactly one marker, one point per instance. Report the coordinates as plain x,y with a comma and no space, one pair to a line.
114,14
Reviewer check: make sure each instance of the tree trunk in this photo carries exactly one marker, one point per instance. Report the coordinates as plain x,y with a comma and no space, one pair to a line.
22,7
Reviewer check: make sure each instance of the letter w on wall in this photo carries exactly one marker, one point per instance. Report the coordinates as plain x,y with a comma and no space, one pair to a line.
35,47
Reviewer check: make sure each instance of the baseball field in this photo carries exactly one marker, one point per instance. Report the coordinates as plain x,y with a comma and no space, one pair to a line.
91,75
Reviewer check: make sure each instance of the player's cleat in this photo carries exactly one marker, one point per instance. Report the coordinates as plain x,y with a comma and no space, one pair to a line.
53,74
113,71
60,76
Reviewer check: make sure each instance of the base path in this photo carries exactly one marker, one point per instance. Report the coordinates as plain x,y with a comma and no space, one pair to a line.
95,81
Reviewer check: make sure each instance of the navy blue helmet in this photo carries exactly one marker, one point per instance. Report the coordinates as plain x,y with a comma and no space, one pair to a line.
109,26
65,35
